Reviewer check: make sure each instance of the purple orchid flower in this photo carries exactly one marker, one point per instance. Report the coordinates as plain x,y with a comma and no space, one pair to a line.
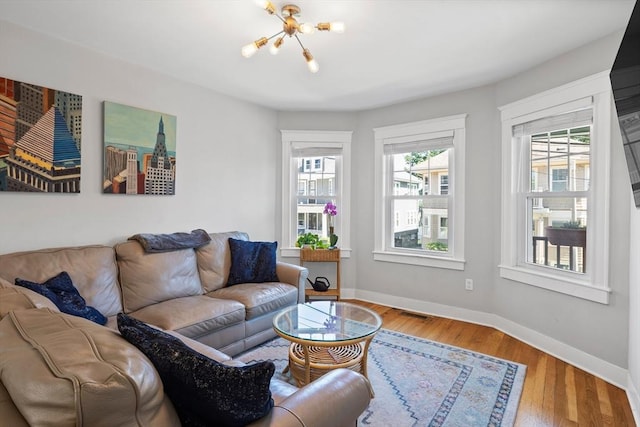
330,209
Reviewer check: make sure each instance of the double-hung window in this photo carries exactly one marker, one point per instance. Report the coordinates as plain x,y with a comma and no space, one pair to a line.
418,223
315,172
555,189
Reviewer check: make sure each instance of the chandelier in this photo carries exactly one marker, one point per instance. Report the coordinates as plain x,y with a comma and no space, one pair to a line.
292,28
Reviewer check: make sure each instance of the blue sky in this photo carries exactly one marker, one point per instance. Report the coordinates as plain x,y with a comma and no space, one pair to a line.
135,126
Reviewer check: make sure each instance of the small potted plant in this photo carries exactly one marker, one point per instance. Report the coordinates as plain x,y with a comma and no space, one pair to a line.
309,240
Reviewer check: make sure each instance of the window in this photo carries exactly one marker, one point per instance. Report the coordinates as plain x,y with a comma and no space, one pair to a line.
444,184
442,232
414,226
314,223
317,159
555,186
559,179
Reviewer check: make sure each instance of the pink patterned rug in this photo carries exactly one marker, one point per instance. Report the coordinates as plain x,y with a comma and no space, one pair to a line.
424,383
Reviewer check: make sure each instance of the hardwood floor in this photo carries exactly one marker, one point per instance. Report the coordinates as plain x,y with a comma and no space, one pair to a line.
555,393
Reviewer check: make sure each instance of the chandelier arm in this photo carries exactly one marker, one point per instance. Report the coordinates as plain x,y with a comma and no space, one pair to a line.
275,35
297,38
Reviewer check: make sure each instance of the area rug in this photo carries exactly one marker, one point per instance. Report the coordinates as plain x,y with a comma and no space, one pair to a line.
418,382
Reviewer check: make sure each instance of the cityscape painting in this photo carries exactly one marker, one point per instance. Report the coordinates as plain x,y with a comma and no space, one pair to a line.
40,134
139,151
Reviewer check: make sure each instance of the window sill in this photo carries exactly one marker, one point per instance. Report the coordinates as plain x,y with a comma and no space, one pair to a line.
576,288
421,260
295,253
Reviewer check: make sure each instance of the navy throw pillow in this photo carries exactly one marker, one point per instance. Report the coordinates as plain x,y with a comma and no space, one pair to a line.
252,262
203,391
65,296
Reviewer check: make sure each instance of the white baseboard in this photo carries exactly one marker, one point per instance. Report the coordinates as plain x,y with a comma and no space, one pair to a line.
634,399
587,362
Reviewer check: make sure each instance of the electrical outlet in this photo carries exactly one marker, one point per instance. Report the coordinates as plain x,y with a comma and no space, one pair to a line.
468,284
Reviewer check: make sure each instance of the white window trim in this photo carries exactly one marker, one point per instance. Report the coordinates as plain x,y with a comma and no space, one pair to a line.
416,131
596,91
318,138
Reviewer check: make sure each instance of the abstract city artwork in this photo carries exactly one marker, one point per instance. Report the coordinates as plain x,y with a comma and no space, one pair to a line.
40,132
139,151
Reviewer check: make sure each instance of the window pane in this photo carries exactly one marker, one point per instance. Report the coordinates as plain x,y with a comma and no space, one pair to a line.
406,182
558,230
312,223
319,180
406,214
560,160
316,187
436,214
421,224
444,184
412,172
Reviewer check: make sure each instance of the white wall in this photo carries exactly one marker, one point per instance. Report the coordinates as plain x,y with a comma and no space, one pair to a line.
225,177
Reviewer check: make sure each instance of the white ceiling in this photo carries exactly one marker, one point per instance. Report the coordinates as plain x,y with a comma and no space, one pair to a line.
391,51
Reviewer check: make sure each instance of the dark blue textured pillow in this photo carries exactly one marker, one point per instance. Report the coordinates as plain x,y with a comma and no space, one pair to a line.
252,262
65,296
203,391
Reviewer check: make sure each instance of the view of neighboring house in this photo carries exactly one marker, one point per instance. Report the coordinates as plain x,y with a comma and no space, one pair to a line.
316,187
560,168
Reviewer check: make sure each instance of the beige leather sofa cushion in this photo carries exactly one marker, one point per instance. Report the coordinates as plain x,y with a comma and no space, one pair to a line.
150,278
18,298
62,370
214,259
259,298
15,299
192,316
93,271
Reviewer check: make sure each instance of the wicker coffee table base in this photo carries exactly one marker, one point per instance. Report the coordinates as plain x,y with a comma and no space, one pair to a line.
324,359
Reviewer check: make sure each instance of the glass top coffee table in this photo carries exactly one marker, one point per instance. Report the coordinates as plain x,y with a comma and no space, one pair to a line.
326,335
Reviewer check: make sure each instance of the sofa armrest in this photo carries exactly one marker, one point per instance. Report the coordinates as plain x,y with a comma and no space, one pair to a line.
294,275
201,348
336,399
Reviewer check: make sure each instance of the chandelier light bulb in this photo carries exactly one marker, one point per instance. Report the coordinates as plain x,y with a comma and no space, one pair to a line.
266,5
311,63
249,50
313,66
275,47
337,27
306,28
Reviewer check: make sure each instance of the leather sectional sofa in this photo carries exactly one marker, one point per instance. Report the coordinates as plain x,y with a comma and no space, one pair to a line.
62,370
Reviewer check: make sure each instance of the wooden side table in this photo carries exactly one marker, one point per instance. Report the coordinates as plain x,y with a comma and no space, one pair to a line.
322,255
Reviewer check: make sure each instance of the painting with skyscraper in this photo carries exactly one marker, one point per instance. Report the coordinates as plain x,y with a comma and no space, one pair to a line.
40,134
139,151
